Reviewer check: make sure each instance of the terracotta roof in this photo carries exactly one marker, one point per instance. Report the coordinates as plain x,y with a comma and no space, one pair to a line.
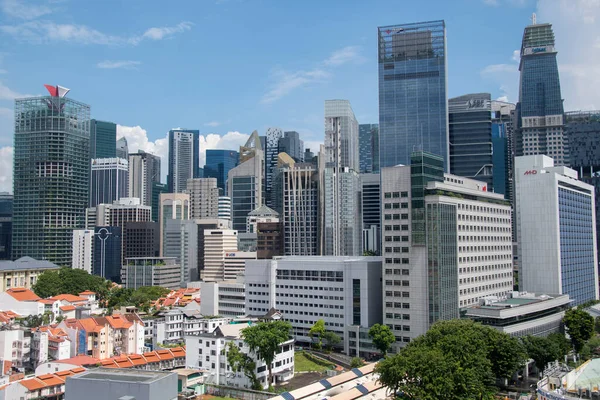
51,379
78,370
178,352
80,360
90,325
70,298
108,363
123,362
164,354
32,384
67,308
23,294
87,292
7,316
137,359
118,321
46,301
151,357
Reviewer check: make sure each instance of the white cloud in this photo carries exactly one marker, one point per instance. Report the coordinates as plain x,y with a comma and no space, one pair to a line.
499,68
20,9
230,141
48,31
7,93
516,55
503,98
212,124
6,167
506,76
345,55
124,64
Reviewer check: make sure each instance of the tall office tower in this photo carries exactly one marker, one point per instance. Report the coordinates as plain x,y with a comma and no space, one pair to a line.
51,161
270,152
371,212
224,211
308,156
184,150
583,133
434,267
204,198
157,189
6,215
122,149
82,249
218,165
413,107
144,171
181,243
107,252
109,180
269,240
217,243
172,206
300,210
103,139
342,221
291,144
471,137
141,239
368,147
556,222
203,225
244,183
503,157
540,125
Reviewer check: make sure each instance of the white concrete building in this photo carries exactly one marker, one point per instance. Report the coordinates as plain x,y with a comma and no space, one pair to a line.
208,352
83,240
172,206
21,301
234,263
204,197
556,230
223,298
224,211
217,243
15,346
345,292
151,271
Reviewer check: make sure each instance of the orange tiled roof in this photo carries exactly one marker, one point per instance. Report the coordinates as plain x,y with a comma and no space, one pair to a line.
33,384
67,308
90,325
137,359
178,352
118,321
108,363
87,292
23,294
151,357
80,360
123,362
46,301
51,380
164,354
70,298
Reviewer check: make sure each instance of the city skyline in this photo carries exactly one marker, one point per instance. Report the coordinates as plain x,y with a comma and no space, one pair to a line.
473,66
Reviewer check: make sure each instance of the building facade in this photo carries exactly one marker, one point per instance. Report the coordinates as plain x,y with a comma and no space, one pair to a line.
144,171
82,249
244,186
291,144
217,243
271,150
204,198
224,211
502,145
184,151
6,215
109,180
23,273
103,139
51,161
556,222
269,240
107,252
224,298
122,149
140,239
371,212
181,242
151,271
368,147
218,165
413,107
172,206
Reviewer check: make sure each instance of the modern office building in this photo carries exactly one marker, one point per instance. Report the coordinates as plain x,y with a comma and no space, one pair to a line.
172,206
181,242
413,107
345,292
261,214
471,151
234,263
556,223
107,252
204,197
273,136
151,271
341,135
308,156
203,226
224,211
446,244
291,144
540,113
109,180
371,212
103,139
157,189
217,243
269,240
144,171
141,239
218,165
502,145
122,150
224,298
82,249
368,147
184,151
6,215
51,161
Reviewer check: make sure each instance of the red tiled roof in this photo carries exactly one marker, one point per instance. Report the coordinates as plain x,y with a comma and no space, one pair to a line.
178,352
151,357
80,360
67,308
23,294
70,298
118,321
87,292
164,354
33,384
46,301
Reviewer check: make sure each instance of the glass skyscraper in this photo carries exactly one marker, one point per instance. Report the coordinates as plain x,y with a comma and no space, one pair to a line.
51,175
184,149
6,212
273,136
103,139
109,180
368,148
540,108
413,110
218,164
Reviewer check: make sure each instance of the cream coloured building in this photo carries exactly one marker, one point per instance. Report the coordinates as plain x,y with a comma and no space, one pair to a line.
22,273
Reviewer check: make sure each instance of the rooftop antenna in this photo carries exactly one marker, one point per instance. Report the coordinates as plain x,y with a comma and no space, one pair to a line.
533,19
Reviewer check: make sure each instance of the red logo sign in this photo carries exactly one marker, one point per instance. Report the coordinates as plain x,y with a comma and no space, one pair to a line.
530,172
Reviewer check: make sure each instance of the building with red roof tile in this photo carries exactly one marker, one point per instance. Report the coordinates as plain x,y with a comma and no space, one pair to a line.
43,386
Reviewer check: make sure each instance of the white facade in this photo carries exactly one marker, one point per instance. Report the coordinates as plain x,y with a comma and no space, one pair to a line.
183,151
15,346
83,240
204,198
224,298
556,230
172,206
224,211
22,307
234,263
217,243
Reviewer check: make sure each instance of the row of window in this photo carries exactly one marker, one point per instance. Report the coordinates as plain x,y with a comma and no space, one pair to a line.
389,271
485,288
479,228
483,209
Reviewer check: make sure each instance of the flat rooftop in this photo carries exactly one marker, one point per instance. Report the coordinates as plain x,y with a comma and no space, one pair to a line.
123,375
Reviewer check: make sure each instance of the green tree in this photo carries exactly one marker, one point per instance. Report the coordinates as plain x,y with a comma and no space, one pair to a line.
597,325
48,284
264,339
541,350
561,341
580,327
369,253
382,337
331,339
70,281
239,361
507,354
356,362
317,330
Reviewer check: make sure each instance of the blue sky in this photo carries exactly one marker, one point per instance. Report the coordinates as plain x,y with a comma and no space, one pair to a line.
228,67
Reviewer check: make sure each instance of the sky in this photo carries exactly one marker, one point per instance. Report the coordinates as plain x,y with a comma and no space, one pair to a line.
228,67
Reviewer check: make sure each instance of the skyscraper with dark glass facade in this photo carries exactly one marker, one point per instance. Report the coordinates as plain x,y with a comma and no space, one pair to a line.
413,111
184,150
51,175
540,114
6,212
103,139
368,148
218,164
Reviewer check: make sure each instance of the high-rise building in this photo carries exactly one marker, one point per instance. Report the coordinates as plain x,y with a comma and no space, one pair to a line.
107,253
371,212
141,239
269,240
291,144
471,137
184,150
172,206
413,107
51,161
503,156
224,208
368,147
144,170
157,189
217,243
204,225
109,180
6,215
540,124
122,149
180,242
151,271
273,136
218,165
342,228
308,156
434,265
82,249
556,222
204,197
103,139
261,214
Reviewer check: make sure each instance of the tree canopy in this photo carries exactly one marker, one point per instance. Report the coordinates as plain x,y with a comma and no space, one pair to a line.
382,337
239,361
317,330
580,327
70,281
